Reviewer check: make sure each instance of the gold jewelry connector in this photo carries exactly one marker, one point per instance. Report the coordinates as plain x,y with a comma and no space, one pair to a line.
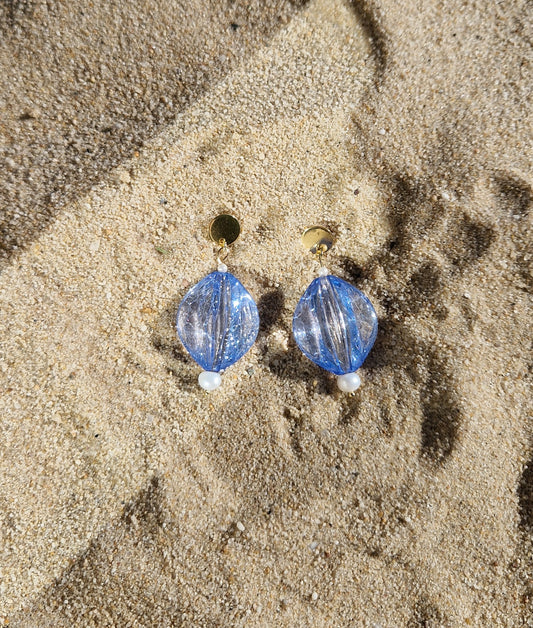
224,230
318,240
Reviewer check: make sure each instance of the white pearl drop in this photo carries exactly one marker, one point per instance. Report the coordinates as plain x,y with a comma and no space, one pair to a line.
222,268
323,271
209,380
349,382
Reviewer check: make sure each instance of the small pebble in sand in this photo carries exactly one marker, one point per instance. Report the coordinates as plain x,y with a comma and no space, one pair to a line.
124,176
240,526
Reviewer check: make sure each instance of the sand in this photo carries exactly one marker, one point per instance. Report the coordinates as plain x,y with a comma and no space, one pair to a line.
130,497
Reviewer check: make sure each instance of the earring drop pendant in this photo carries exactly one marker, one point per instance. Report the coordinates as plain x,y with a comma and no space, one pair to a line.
334,324
217,320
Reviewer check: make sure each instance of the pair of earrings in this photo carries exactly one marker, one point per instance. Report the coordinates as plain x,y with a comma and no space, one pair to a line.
334,323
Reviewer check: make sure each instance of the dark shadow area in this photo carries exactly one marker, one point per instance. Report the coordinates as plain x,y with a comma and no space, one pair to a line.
11,11
352,271
84,85
396,346
412,214
515,194
350,410
525,499
146,509
293,365
270,306
100,585
440,411
427,615
424,286
288,364
368,14
470,240
294,430
165,340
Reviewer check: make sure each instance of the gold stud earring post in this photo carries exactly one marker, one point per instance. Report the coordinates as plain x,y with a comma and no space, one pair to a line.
318,240
223,231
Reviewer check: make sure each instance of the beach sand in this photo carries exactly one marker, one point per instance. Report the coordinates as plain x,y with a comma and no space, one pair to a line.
128,495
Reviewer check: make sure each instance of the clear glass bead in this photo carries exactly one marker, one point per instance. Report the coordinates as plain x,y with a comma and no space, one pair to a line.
335,325
217,321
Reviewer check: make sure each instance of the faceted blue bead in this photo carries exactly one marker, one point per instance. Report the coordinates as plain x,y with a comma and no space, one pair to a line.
217,321
335,325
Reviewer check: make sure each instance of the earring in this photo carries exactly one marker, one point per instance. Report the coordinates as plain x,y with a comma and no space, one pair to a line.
217,320
334,323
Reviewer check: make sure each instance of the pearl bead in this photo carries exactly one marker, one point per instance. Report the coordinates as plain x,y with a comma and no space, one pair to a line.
348,382
209,380
222,268
323,271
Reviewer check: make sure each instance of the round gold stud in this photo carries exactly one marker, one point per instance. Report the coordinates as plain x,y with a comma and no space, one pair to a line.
317,240
224,229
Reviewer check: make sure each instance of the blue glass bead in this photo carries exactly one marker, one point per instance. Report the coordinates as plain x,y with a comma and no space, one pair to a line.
335,325
217,321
